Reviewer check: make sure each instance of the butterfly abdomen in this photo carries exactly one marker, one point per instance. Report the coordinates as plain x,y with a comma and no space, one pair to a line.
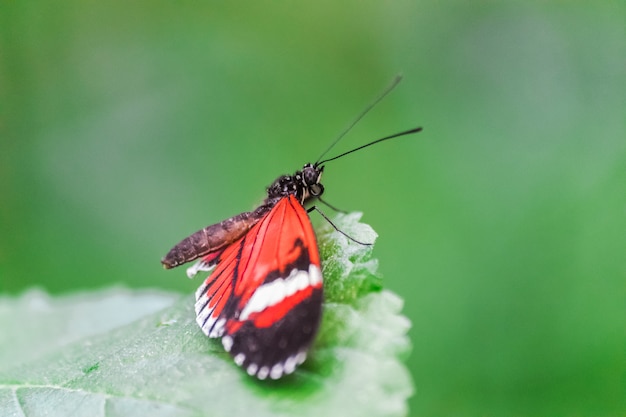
214,238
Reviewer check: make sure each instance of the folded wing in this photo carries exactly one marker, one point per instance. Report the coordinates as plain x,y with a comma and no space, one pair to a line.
264,297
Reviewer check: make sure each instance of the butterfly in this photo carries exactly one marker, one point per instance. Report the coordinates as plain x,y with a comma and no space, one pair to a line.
264,295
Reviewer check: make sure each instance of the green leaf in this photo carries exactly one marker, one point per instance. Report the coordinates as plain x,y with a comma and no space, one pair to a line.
118,352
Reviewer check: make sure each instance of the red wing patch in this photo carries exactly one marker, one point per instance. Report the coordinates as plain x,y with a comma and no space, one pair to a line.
264,297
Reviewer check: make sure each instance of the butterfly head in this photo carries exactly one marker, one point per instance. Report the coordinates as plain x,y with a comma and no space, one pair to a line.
304,184
309,179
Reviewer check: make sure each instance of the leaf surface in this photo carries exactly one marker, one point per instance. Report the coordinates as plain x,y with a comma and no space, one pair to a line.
118,352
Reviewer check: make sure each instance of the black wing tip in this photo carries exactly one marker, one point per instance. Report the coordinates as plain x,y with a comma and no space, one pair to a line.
277,370
263,371
274,351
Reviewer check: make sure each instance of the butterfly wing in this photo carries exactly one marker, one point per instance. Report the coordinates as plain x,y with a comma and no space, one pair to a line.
264,297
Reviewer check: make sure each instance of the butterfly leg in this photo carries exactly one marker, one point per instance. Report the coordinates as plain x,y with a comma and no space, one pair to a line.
335,227
331,206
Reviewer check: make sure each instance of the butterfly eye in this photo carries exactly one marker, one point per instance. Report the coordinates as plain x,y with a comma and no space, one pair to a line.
311,175
316,189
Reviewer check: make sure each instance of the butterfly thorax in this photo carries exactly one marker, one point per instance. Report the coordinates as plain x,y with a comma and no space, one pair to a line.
304,185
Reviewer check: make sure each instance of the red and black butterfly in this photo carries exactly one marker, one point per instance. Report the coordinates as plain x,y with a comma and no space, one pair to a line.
264,295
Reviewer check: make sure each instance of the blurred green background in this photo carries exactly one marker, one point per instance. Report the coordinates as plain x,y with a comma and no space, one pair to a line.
126,126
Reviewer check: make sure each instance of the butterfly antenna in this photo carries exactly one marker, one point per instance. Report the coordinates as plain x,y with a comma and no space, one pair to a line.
406,132
387,90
